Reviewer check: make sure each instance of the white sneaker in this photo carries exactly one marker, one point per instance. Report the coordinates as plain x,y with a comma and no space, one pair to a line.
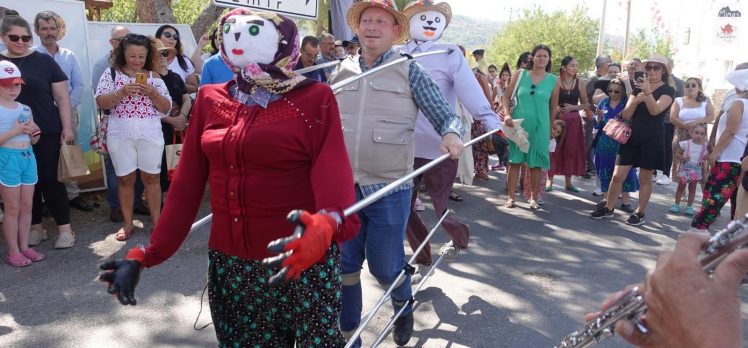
419,205
449,250
36,237
664,180
421,272
597,192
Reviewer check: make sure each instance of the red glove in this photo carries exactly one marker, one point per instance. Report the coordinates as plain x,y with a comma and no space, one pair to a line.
301,252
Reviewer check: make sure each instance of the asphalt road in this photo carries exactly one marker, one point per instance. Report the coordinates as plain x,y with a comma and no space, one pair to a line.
525,281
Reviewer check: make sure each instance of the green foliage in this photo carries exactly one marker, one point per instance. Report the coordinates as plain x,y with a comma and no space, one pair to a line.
121,11
566,33
643,44
186,11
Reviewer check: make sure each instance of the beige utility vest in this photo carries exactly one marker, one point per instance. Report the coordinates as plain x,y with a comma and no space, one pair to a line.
378,115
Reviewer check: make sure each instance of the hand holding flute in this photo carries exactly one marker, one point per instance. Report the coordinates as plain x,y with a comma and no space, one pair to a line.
689,300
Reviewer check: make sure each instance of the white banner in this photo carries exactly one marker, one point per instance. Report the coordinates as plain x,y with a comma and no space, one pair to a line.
728,21
306,9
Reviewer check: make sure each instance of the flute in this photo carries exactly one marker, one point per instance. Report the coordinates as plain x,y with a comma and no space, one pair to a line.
631,306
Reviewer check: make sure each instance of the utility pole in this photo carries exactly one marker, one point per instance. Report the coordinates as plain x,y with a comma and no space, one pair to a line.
628,23
601,33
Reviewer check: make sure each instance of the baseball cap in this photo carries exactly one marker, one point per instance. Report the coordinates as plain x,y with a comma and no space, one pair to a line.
9,74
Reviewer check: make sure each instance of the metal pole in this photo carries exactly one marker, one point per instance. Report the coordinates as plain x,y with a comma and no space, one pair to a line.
340,84
319,66
395,184
201,222
601,33
370,315
628,24
391,323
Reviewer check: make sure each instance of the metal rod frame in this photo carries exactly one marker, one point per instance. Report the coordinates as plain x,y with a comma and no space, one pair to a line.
370,315
319,66
391,323
351,79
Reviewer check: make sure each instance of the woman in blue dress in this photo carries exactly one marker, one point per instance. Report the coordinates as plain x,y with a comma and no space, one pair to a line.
606,148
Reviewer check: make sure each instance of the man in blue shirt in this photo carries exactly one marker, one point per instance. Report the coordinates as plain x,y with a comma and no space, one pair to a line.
326,51
215,69
46,26
309,51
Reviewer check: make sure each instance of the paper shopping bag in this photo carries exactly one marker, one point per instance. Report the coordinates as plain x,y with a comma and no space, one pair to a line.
72,163
172,152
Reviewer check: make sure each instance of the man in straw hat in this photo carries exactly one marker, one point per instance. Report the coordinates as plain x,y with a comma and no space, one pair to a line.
50,28
379,114
455,79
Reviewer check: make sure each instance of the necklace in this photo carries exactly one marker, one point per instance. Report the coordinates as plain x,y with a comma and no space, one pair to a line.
20,59
571,85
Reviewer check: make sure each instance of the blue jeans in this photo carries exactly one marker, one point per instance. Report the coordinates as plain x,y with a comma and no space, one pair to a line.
380,240
111,186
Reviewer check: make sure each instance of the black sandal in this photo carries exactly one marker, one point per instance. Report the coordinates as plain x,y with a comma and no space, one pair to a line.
455,197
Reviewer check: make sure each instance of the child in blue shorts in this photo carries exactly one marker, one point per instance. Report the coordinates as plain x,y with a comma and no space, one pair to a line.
17,167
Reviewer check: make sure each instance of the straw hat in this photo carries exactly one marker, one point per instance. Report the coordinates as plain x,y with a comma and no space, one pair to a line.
354,15
161,47
416,6
656,58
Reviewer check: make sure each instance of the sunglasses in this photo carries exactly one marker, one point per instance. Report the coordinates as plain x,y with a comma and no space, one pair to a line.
15,38
136,38
653,67
614,91
532,92
164,54
169,35
692,85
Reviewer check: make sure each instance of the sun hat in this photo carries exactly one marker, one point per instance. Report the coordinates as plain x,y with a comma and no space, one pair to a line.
354,16
9,74
414,7
161,47
738,78
656,58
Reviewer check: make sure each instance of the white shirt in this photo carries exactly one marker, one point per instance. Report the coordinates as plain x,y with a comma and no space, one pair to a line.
696,152
730,97
457,82
174,66
734,150
690,114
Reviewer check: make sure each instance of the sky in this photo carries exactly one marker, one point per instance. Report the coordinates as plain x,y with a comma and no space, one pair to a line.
642,12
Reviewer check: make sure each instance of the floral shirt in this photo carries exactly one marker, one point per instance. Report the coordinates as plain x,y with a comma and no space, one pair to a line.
134,117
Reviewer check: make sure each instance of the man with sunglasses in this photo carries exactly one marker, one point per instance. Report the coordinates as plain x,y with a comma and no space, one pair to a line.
48,29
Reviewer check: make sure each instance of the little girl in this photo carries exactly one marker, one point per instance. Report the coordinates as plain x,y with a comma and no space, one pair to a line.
557,135
18,170
691,153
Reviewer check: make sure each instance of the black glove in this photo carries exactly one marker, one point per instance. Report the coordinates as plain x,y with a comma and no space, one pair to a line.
123,275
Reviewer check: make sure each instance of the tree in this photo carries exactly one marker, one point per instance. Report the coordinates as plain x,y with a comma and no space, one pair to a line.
199,14
566,33
643,45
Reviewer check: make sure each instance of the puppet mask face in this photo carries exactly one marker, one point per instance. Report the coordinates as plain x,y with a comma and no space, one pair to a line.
249,39
427,25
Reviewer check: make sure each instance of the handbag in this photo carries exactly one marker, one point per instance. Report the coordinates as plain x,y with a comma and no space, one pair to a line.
173,152
72,164
513,98
618,129
98,138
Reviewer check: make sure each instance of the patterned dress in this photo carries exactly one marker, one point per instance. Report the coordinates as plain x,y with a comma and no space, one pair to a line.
606,150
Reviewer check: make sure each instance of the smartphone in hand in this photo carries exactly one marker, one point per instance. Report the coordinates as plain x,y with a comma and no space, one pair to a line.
638,78
141,78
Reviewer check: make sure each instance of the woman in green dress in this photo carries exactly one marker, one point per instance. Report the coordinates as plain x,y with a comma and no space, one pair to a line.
537,105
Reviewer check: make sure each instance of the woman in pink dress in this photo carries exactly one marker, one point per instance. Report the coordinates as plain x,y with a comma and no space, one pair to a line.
569,157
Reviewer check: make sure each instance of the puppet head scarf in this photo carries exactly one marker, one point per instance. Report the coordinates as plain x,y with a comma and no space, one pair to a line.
263,48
